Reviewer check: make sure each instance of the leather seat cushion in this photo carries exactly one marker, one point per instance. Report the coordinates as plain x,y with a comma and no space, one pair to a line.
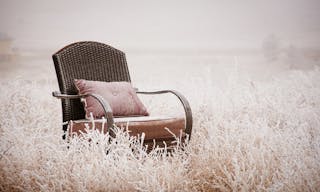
153,127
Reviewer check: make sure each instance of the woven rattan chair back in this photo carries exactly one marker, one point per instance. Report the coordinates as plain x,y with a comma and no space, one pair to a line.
86,60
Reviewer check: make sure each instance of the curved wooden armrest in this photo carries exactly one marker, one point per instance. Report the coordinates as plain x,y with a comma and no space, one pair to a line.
105,105
183,100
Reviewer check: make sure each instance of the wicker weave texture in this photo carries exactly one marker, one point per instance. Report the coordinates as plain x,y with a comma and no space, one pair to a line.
91,61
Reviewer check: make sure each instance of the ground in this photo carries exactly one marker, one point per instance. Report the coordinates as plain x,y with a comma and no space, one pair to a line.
256,128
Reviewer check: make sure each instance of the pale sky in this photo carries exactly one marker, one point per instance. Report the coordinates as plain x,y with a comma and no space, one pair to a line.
40,24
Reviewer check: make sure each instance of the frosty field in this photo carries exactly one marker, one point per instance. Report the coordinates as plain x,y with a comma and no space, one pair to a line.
256,128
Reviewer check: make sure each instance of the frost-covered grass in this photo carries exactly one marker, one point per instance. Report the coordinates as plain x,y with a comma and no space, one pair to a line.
255,136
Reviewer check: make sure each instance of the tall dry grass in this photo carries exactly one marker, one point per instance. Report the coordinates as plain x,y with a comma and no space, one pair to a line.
257,136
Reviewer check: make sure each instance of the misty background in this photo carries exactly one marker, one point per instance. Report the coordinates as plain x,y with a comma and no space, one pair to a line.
165,38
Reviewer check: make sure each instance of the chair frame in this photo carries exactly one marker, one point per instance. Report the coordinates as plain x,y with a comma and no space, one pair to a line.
108,57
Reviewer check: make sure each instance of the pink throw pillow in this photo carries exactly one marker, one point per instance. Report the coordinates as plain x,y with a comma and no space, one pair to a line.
120,95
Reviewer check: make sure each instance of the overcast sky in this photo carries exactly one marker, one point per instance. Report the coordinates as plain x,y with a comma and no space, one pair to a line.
37,24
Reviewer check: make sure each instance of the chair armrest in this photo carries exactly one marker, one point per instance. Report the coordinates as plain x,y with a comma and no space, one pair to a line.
184,102
105,105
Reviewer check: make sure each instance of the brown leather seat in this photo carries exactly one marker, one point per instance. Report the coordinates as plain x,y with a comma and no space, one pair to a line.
152,127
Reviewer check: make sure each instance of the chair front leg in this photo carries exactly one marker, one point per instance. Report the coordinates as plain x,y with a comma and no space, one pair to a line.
105,105
184,102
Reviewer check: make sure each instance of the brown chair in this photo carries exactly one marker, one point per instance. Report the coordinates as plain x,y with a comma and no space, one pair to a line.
100,62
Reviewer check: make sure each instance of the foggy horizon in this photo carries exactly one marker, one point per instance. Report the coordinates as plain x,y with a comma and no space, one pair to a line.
146,25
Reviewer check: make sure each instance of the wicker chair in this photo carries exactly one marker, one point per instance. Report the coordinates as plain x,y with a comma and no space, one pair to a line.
100,62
